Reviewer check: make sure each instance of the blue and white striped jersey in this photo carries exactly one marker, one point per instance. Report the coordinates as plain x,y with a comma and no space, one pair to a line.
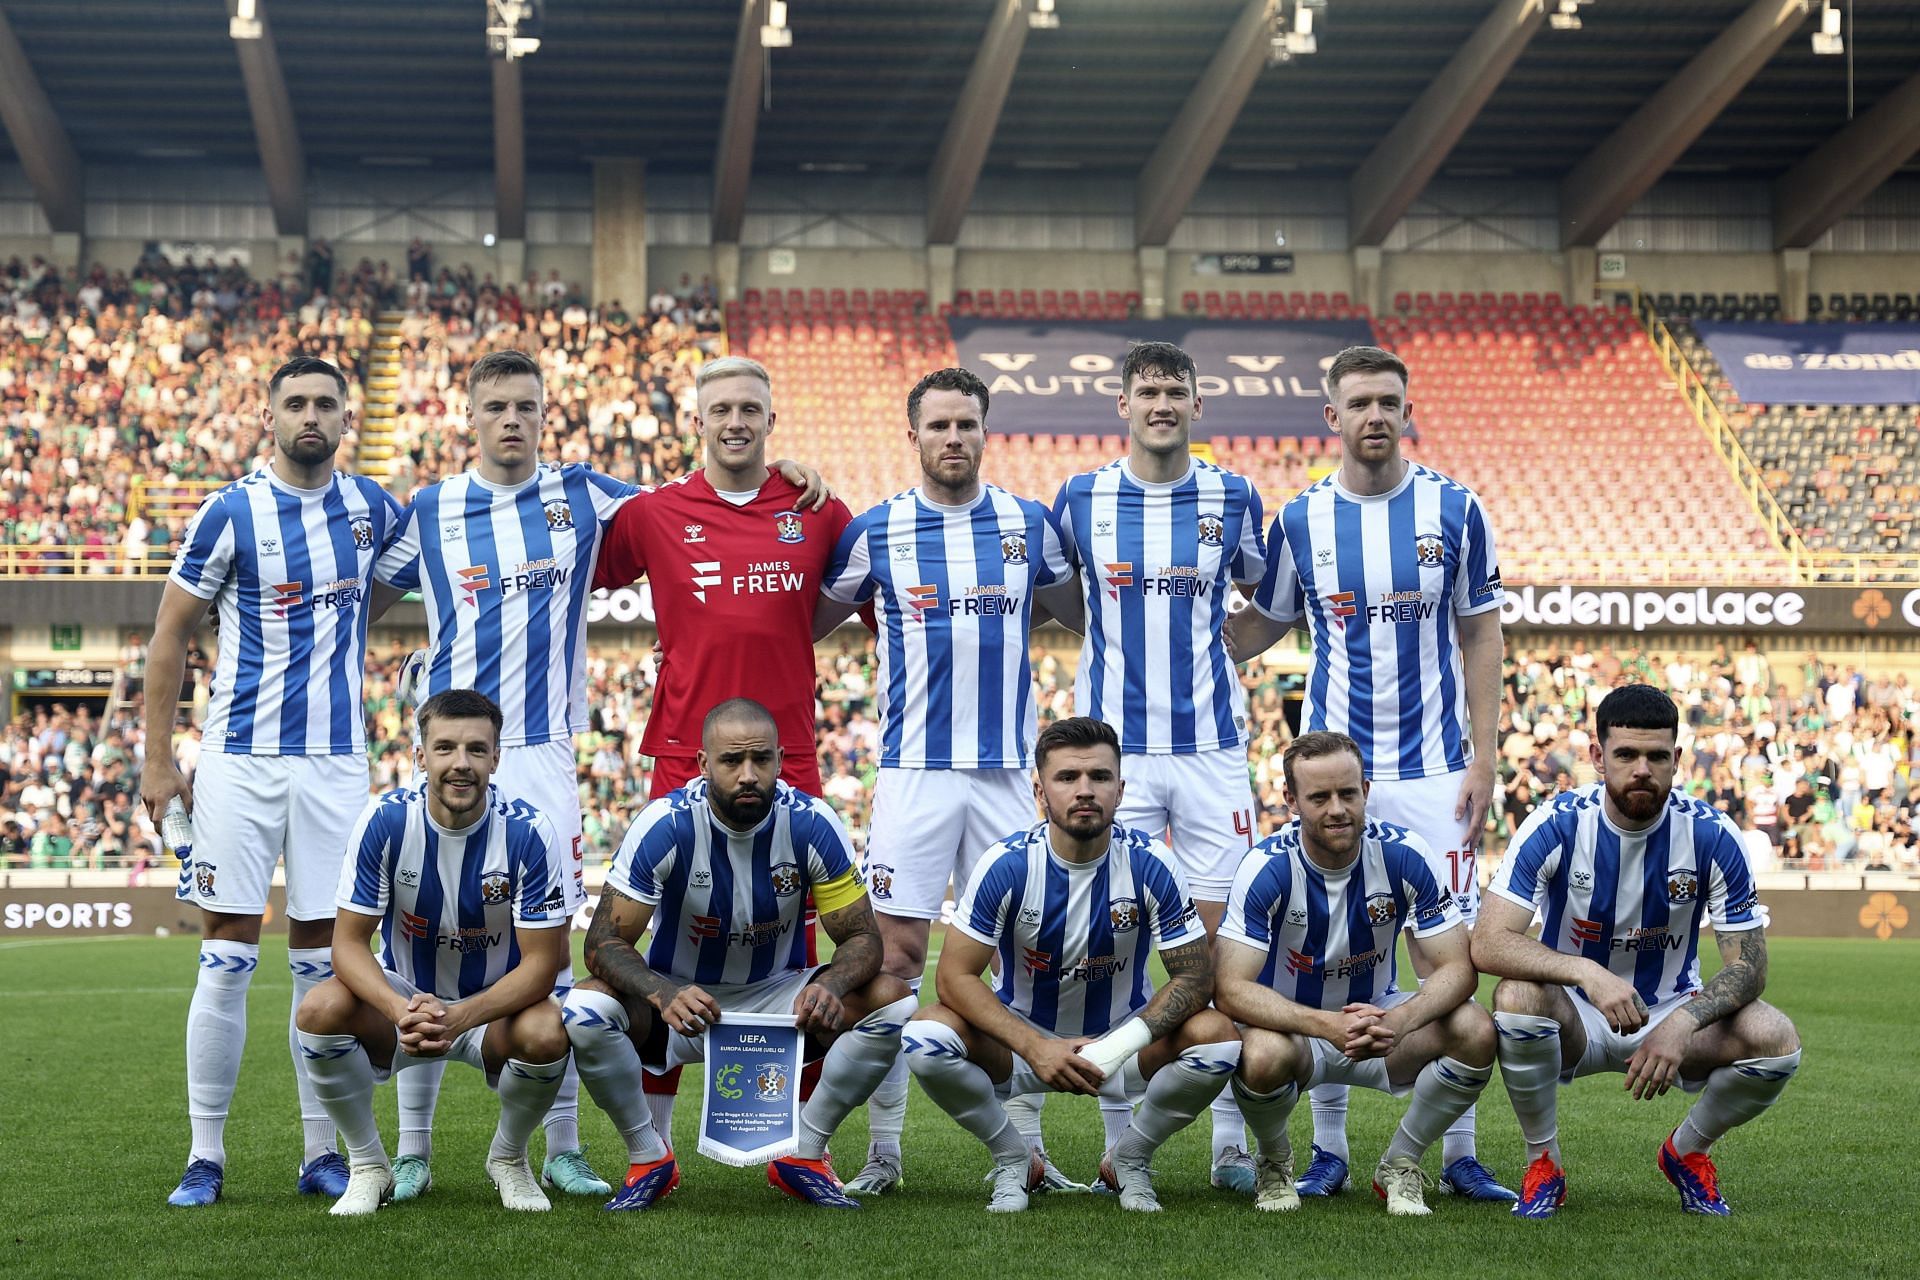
506,574
955,604
1631,900
1075,938
290,572
1381,583
1329,935
1157,564
728,904
452,899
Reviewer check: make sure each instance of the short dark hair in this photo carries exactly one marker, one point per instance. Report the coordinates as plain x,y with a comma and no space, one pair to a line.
1363,360
737,709
1074,731
457,704
300,367
962,380
1636,706
1162,358
1316,745
501,364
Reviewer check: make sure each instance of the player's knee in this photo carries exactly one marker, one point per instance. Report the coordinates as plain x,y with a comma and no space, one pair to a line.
538,1035
1266,1059
1209,1026
1771,1033
1513,995
594,985
885,989
326,1010
1470,1030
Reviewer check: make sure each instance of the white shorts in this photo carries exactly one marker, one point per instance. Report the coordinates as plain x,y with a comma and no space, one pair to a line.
466,1047
543,775
1201,805
249,810
1330,1066
1424,806
1607,1049
930,826
666,1049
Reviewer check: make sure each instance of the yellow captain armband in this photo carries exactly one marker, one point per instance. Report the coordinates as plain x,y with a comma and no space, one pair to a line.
843,890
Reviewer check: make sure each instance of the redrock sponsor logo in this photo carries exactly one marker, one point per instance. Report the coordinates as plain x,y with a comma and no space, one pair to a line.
1645,610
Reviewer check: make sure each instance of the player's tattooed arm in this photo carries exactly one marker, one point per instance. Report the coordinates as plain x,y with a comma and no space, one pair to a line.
1188,987
1739,983
618,922
857,949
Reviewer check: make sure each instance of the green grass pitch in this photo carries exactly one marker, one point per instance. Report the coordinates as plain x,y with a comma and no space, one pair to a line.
93,1136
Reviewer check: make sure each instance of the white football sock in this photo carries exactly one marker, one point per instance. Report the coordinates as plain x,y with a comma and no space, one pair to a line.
342,1079
1177,1092
938,1059
1229,1126
1459,1139
310,966
1529,1052
609,1066
887,1108
1267,1114
562,1123
1444,1088
526,1094
1116,1113
417,1090
1329,1103
857,1061
1734,1095
1023,1110
216,1038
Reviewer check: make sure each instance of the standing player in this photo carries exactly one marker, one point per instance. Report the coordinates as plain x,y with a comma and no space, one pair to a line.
468,891
735,564
955,566
1160,538
1391,568
1075,909
720,870
1307,967
286,553
1622,871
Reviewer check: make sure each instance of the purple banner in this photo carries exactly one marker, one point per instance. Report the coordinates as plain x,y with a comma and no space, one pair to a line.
1818,363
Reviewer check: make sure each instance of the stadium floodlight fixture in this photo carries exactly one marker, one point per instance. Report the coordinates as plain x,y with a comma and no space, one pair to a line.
243,20
1042,17
513,28
1827,40
775,33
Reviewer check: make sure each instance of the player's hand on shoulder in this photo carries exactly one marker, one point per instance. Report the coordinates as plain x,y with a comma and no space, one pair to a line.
690,1011
1616,1000
817,1009
1058,1062
815,492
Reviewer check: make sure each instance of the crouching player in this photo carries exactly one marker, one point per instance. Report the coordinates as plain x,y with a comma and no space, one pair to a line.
720,870
1306,965
467,889
1623,872
1075,909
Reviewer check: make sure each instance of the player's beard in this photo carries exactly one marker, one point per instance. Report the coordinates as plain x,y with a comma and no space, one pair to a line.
729,804
475,799
308,453
1081,824
1637,801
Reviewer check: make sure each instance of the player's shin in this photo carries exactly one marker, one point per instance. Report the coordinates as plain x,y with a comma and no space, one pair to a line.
1733,1095
1329,1103
938,1059
887,1108
527,1090
342,1077
310,967
610,1067
1177,1093
856,1062
216,1036
1529,1052
1444,1089
1267,1114
417,1092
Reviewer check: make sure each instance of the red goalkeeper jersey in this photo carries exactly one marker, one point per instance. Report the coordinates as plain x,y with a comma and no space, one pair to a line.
734,590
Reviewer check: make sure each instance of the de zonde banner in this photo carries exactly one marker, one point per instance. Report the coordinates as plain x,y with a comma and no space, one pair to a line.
1818,363
1063,378
750,1109
1847,610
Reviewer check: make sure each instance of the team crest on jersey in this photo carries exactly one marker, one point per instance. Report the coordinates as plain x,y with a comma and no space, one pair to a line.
559,515
1429,551
1682,886
1380,909
1125,914
771,1084
787,527
786,879
880,881
1213,531
1013,548
203,881
362,533
493,889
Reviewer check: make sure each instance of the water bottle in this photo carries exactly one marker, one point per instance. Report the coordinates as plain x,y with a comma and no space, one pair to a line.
177,829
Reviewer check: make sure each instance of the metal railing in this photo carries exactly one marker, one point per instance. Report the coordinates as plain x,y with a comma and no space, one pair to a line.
33,562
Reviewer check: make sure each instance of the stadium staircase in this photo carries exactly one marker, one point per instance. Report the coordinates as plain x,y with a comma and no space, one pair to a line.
379,446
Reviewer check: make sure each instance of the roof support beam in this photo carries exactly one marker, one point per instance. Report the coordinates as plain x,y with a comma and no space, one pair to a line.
509,152
1392,177
46,152
739,120
1604,185
274,130
1178,165
963,148
1831,182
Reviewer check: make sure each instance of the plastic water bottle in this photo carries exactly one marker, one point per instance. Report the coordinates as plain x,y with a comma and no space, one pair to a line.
177,829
